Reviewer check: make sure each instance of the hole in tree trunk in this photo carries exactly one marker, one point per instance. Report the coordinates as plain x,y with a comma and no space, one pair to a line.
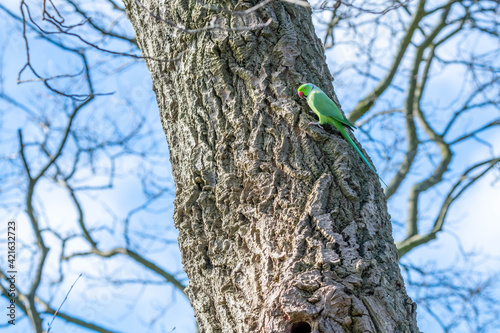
301,327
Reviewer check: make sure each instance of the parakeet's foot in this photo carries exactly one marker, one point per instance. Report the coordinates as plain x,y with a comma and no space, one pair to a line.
313,123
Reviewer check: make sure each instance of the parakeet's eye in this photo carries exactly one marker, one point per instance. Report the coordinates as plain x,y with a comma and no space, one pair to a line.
301,94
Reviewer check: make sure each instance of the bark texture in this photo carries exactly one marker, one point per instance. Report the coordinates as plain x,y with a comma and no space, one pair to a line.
282,227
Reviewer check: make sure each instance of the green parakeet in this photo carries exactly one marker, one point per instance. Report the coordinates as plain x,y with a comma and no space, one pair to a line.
328,112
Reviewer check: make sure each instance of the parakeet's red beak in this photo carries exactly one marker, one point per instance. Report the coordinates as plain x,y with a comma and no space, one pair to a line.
301,94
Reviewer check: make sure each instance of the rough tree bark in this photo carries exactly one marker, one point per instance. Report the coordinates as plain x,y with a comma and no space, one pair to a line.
282,227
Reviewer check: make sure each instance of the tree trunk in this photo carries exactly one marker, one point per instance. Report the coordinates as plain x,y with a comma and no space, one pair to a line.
282,227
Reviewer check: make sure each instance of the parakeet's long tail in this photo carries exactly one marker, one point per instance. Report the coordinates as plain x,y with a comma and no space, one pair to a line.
344,133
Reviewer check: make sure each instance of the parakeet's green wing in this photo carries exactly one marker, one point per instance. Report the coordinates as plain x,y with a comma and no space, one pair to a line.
327,107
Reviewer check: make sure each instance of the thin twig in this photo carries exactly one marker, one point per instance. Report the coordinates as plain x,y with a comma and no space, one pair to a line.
60,306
